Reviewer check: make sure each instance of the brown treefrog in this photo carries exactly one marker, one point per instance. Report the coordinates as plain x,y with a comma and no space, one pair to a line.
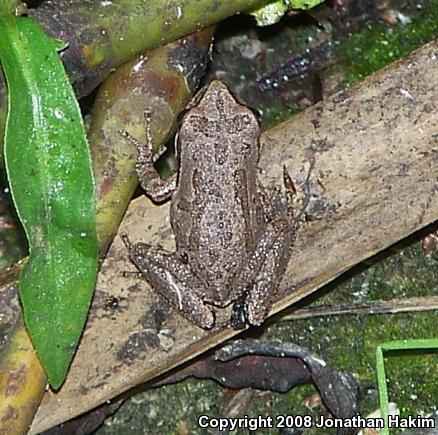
232,248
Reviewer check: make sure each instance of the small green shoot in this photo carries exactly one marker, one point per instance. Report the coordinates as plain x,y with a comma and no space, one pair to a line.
400,345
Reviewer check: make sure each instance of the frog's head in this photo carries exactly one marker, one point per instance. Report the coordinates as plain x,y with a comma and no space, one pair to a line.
220,121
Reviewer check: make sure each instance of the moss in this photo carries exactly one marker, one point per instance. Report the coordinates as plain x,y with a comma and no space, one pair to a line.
172,409
412,380
274,115
377,44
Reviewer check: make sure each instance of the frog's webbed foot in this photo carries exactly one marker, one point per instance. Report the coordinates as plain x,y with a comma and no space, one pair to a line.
238,318
157,189
257,284
172,280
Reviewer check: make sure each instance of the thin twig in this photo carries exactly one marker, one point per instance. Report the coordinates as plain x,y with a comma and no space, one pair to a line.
426,303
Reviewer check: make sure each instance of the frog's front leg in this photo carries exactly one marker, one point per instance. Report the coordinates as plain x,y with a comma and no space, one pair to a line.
156,188
173,280
257,285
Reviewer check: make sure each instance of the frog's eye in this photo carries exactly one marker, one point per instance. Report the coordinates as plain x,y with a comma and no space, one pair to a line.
201,126
197,124
240,123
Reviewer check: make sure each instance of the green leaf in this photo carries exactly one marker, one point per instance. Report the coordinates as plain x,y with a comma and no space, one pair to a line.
273,12
49,170
304,4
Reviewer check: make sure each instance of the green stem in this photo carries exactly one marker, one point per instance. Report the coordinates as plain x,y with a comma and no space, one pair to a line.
8,7
125,28
162,83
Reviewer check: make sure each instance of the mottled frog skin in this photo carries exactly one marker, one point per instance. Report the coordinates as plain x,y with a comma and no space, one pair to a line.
231,247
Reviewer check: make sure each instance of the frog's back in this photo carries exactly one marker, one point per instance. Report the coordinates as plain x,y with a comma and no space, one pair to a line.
216,210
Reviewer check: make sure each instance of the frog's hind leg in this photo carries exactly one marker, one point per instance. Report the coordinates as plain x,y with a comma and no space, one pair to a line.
257,284
174,281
